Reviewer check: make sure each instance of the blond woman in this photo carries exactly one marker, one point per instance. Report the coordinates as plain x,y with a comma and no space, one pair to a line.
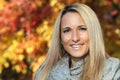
77,50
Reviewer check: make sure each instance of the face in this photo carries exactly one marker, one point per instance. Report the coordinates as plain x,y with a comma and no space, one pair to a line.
74,35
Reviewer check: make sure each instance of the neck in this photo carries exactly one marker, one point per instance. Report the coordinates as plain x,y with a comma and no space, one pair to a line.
74,61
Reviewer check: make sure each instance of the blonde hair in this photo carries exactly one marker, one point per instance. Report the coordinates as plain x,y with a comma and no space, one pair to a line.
97,53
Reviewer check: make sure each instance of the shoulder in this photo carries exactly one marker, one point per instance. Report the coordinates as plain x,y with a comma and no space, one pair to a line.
61,63
59,70
112,62
112,68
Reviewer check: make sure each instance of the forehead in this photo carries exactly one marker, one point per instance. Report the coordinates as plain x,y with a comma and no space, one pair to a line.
70,13
71,19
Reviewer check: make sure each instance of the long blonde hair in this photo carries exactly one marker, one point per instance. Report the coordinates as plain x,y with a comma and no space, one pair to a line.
97,53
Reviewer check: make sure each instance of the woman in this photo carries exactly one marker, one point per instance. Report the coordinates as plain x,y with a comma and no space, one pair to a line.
77,49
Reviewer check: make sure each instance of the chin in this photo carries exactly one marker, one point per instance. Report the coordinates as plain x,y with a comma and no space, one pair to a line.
78,55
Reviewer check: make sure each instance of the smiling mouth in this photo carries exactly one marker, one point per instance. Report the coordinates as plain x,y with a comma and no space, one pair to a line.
76,46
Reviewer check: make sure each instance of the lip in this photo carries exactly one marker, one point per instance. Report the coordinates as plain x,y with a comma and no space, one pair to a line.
76,46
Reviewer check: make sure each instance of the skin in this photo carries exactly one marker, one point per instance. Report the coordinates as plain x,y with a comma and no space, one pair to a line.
74,35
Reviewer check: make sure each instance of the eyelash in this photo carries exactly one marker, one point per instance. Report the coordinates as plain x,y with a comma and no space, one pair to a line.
67,30
82,29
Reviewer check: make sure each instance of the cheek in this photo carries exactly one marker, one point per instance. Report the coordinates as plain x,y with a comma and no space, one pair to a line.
85,37
65,39
87,40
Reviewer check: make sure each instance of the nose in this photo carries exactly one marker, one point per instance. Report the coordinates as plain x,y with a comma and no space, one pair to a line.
75,36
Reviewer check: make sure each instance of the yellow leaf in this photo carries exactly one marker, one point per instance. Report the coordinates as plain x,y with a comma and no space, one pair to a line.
20,33
13,62
53,2
2,3
2,59
15,43
30,49
17,68
19,50
24,71
5,55
35,67
1,69
21,57
60,6
41,59
6,64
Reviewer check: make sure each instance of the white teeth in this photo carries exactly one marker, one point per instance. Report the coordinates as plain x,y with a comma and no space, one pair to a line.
76,46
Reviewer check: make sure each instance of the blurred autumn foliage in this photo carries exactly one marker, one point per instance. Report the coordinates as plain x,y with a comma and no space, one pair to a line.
26,28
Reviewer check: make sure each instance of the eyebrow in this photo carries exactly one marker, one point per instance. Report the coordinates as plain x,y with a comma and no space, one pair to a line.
66,28
77,26
82,26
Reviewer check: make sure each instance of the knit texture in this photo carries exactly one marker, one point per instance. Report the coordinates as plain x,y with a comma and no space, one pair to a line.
61,70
